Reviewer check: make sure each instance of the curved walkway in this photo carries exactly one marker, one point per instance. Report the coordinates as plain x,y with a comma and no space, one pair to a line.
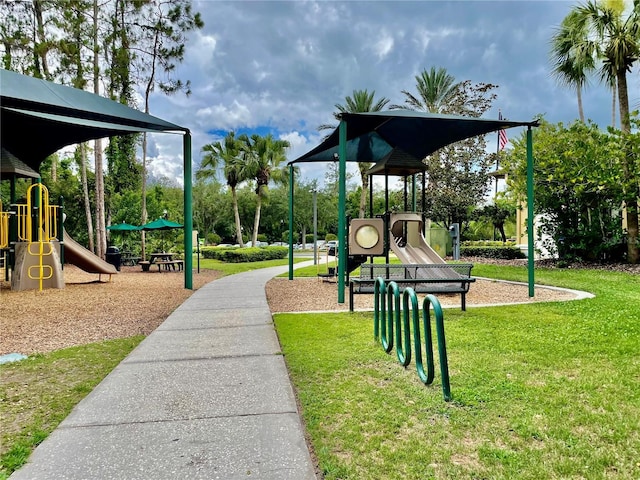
207,396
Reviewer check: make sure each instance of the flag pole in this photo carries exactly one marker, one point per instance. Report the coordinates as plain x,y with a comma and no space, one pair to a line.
495,194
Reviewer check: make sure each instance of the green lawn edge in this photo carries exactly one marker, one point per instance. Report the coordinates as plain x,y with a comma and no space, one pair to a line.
545,390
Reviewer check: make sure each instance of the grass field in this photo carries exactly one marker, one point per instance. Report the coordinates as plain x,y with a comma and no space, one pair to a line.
542,391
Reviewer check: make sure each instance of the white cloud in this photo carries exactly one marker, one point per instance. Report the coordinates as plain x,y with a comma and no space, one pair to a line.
284,65
384,46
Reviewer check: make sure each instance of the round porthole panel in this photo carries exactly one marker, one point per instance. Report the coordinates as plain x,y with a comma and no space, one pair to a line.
367,236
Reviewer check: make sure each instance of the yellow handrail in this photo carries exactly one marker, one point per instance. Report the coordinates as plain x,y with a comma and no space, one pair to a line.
47,228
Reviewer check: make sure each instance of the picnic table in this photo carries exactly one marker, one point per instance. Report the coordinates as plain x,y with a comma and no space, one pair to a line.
164,260
128,258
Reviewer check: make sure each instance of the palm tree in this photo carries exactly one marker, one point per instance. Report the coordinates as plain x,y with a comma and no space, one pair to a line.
573,54
263,156
230,152
437,91
362,101
618,46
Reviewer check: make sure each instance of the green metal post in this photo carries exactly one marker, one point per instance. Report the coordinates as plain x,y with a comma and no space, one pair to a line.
414,192
530,235
342,253
291,182
60,221
188,214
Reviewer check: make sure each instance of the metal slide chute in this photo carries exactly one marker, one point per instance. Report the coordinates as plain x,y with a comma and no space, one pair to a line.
407,240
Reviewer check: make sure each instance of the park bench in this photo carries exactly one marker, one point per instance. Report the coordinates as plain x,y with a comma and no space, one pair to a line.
423,278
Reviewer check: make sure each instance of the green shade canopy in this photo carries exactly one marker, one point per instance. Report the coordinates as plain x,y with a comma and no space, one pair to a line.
123,227
160,224
398,140
398,163
13,166
38,117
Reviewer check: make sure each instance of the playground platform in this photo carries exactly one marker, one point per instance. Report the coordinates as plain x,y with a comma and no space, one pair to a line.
206,395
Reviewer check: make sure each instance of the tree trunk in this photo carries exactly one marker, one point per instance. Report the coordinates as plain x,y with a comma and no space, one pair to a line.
143,213
256,221
101,232
580,108
503,235
85,194
632,232
236,214
613,105
365,188
631,191
41,50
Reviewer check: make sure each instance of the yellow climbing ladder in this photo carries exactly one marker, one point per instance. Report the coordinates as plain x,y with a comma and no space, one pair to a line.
39,236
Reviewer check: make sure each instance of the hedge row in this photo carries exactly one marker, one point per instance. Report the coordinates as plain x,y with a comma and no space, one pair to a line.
503,253
242,255
487,243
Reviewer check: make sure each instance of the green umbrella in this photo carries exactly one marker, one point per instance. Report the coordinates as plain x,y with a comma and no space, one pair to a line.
123,227
160,224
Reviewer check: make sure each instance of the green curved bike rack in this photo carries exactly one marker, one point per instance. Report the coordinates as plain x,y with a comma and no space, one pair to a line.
388,314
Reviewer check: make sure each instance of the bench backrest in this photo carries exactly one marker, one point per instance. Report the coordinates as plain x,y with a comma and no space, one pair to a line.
392,271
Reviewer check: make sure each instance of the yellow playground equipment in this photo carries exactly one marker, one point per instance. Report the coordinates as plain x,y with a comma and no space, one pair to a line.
4,238
4,228
37,261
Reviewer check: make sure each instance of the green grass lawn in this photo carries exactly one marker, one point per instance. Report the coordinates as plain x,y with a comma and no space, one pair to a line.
233,268
540,391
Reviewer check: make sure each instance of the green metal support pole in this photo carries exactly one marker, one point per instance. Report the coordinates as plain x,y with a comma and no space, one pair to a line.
291,184
342,214
414,193
60,221
530,233
188,213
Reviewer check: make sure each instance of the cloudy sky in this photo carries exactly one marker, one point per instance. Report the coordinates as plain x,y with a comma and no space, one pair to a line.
282,66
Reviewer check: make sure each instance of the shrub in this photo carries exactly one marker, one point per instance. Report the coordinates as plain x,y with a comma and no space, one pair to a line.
213,238
243,255
494,251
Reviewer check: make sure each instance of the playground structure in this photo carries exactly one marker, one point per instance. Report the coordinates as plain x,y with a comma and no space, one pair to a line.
396,142
57,116
33,255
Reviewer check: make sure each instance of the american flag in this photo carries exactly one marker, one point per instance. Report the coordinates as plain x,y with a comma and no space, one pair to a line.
502,135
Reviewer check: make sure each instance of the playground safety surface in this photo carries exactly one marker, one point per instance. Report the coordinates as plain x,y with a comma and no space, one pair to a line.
88,310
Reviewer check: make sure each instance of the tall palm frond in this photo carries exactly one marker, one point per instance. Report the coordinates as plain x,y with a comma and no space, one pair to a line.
361,101
436,91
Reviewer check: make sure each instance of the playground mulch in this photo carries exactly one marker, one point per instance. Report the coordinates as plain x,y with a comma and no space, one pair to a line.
310,294
90,308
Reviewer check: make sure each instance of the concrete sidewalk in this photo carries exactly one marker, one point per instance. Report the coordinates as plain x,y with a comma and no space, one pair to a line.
205,396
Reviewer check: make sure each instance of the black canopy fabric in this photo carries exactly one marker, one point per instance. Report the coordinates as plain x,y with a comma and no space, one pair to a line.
398,163
40,117
12,166
401,137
